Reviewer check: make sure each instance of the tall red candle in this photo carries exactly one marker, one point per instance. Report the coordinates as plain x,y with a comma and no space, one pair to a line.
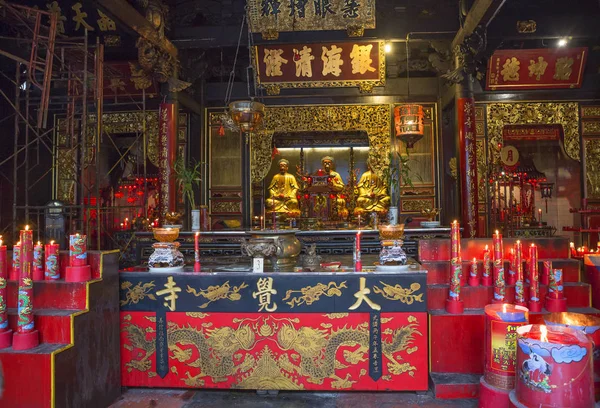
554,367
534,283
196,252
454,304
3,291
38,263
511,274
499,284
473,273
16,262
26,246
486,275
357,254
546,271
25,302
52,259
518,265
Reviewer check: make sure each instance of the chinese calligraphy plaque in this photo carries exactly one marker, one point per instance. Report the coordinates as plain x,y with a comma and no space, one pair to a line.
340,64
271,17
536,69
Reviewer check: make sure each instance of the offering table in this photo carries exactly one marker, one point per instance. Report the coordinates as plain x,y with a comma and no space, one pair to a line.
275,331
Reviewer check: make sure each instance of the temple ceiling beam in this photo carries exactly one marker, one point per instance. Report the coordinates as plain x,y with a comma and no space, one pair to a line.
481,13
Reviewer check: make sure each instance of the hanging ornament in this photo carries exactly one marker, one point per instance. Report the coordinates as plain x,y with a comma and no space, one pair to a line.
221,131
119,194
408,121
275,152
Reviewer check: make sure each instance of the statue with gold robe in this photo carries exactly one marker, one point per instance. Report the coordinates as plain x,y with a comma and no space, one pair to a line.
372,193
282,191
337,185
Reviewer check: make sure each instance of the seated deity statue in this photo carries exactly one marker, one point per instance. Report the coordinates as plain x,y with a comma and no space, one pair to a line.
282,191
337,185
372,193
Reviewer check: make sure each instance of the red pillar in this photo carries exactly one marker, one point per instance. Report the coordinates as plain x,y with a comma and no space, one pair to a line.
167,153
465,108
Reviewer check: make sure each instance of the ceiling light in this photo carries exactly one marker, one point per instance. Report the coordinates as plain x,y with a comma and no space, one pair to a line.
562,42
387,48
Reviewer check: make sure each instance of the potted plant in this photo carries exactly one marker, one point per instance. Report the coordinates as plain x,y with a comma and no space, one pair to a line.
187,177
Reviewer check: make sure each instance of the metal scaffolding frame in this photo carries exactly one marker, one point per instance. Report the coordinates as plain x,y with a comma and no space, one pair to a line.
71,65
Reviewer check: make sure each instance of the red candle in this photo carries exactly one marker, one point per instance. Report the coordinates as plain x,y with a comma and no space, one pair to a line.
473,274
77,250
455,262
572,248
518,262
357,244
534,287
26,246
25,322
16,262
501,324
486,277
499,284
554,367
52,258
511,276
556,288
546,271
196,252
38,264
3,290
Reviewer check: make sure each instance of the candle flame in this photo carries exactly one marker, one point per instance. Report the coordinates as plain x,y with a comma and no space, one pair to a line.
572,244
26,227
197,233
19,243
0,242
544,332
52,242
504,308
474,259
39,243
518,241
454,222
497,232
486,248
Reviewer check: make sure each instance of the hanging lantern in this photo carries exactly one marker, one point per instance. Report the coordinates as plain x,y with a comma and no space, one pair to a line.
119,194
546,189
221,131
247,115
408,121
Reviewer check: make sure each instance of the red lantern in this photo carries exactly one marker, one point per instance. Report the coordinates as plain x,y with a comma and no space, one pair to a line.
119,194
131,199
408,121
140,193
221,131
306,196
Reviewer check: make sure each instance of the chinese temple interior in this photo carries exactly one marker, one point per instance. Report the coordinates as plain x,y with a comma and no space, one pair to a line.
297,203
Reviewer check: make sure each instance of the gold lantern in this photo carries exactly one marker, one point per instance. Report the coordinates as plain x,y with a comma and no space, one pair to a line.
408,121
247,115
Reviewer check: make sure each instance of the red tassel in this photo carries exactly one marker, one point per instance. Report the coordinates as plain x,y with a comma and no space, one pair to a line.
221,131
275,152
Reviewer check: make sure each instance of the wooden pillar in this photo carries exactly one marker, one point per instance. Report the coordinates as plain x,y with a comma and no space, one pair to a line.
467,155
167,152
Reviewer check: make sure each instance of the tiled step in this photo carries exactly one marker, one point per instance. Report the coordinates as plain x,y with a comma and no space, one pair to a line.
54,326
457,341
477,297
454,385
52,295
439,249
438,272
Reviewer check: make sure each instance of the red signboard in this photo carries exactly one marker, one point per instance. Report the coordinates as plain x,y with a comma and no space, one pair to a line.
339,64
531,132
536,69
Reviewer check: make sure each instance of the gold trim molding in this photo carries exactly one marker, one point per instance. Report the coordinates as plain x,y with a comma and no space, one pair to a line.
592,167
534,113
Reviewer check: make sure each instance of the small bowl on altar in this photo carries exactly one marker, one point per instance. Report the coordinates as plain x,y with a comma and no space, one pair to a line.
165,234
331,266
391,232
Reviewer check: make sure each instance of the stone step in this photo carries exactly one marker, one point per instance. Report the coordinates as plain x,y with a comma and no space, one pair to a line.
439,249
477,297
438,272
54,326
454,385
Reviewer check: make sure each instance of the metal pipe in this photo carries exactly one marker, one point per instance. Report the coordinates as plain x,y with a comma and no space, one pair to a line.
83,132
16,147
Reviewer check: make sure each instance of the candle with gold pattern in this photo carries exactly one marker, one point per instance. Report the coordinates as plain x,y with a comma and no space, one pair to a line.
454,304
486,275
546,271
3,283
511,274
518,265
38,263
534,285
26,246
473,273
52,261
499,283
77,250
556,288
25,300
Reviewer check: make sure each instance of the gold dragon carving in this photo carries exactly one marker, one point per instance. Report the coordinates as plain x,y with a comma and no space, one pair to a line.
308,352
397,292
535,113
311,294
218,292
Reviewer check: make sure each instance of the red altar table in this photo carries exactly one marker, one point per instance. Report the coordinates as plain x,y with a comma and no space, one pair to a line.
280,331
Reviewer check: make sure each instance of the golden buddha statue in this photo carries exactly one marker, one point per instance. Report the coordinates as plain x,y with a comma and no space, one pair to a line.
372,193
282,191
337,185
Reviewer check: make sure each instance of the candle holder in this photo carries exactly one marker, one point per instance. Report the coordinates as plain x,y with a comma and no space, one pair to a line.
501,324
166,256
392,254
588,324
554,368
78,269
